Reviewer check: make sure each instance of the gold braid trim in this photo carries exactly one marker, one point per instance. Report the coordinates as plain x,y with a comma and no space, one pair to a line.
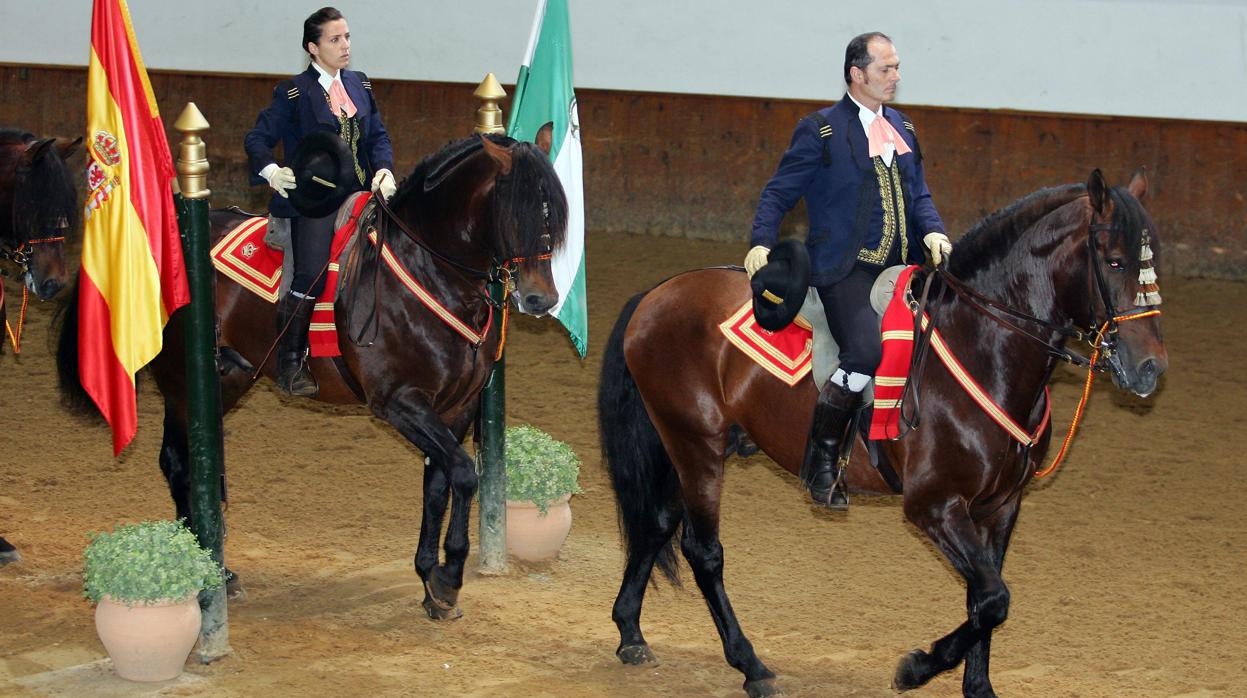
891,197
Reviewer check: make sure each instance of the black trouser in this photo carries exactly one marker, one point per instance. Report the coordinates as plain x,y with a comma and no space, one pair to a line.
853,322
310,241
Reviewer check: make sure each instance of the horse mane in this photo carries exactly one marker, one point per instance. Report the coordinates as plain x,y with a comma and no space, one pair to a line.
518,197
43,193
992,238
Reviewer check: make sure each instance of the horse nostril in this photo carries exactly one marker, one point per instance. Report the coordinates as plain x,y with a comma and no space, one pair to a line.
1148,369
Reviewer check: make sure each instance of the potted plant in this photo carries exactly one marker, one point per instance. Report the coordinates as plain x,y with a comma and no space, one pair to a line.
145,580
541,478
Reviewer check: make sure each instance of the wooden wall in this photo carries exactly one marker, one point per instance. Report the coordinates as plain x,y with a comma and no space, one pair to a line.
693,165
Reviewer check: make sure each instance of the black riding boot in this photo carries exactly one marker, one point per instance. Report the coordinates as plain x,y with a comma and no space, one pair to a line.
820,470
293,376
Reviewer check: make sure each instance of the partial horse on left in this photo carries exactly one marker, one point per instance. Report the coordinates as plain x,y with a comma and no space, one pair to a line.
38,209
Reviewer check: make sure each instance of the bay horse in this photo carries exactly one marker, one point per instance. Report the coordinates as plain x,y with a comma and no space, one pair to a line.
38,208
673,394
480,208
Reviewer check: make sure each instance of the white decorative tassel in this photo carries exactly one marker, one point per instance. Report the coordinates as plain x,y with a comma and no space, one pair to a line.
1149,291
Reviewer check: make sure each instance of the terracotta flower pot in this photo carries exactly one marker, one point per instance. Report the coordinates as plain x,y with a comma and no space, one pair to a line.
533,537
148,643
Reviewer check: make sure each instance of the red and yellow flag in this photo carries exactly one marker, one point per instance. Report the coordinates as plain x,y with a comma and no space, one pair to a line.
133,276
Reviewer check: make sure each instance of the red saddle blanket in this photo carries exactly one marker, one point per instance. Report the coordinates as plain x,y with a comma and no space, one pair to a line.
785,354
243,256
788,353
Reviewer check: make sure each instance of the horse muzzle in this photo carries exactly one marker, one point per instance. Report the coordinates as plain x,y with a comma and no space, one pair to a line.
1142,381
534,303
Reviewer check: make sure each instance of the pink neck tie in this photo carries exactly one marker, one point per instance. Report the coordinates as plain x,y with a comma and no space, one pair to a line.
339,100
881,132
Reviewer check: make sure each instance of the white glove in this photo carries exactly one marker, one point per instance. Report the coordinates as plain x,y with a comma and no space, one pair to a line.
941,248
756,259
280,179
383,181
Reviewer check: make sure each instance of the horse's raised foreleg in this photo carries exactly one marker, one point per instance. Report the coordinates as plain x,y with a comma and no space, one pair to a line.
448,467
964,543
701,483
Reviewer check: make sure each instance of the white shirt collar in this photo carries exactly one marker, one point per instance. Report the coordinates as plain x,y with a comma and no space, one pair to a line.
867,117
863,113
324,78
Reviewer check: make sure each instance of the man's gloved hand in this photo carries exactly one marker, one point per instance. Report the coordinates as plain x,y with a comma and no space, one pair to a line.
383,182
941,249
756,259
280,180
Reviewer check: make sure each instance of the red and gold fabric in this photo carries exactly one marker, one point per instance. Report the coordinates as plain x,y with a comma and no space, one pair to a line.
133,275
786,354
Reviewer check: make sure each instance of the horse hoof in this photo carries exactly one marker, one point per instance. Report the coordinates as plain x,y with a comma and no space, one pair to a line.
440,611
438,604
636,655
233,586
9,556
911,672
763,688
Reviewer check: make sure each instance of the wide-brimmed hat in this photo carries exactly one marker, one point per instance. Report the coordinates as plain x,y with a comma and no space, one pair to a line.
779,287
324,174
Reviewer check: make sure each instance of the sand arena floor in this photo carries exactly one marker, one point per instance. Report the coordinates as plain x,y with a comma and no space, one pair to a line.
1127,567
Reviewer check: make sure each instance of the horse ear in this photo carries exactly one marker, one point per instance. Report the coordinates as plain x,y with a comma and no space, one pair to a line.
500,155
1138,184
1097,190
67,148
545,137
36,149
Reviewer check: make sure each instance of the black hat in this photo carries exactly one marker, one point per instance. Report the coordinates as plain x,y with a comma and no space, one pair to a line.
779,287
324,174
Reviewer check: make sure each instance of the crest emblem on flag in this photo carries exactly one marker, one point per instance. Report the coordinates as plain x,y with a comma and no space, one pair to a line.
105,146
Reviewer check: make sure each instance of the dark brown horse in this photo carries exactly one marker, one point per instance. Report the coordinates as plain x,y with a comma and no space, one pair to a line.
479,208
38,208
673,392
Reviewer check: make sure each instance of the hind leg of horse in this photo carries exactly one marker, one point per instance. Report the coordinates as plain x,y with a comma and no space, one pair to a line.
966,546
701,487
175,464
643,552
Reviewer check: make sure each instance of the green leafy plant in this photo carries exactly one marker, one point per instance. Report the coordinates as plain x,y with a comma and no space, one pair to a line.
147,563
540,469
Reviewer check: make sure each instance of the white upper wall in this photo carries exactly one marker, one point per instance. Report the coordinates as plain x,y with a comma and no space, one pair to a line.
1164,58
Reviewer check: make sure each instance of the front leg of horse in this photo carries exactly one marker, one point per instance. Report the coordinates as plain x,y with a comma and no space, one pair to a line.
448,471
987,607
440,595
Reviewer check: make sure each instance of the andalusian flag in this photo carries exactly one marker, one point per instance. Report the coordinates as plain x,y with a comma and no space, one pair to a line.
543,93
133,276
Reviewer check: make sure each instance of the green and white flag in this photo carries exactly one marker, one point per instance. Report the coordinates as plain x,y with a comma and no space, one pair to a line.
543,94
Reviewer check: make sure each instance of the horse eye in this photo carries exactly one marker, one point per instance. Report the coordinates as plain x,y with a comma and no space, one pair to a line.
1116,264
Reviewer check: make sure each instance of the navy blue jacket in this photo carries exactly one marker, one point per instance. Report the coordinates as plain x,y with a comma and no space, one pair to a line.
299,107
842,198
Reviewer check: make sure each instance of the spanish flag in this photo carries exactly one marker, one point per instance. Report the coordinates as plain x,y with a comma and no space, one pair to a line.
133,276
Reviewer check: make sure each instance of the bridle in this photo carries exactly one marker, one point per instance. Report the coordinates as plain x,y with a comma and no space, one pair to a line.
1101,339
501,271
20,256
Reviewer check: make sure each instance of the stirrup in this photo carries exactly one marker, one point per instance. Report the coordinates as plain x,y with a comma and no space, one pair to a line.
298,381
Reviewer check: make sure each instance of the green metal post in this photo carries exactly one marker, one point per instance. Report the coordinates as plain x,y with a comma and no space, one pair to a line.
493,527
202,377
492,458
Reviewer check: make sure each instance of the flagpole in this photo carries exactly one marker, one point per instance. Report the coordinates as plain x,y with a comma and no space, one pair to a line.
203,411
492,456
